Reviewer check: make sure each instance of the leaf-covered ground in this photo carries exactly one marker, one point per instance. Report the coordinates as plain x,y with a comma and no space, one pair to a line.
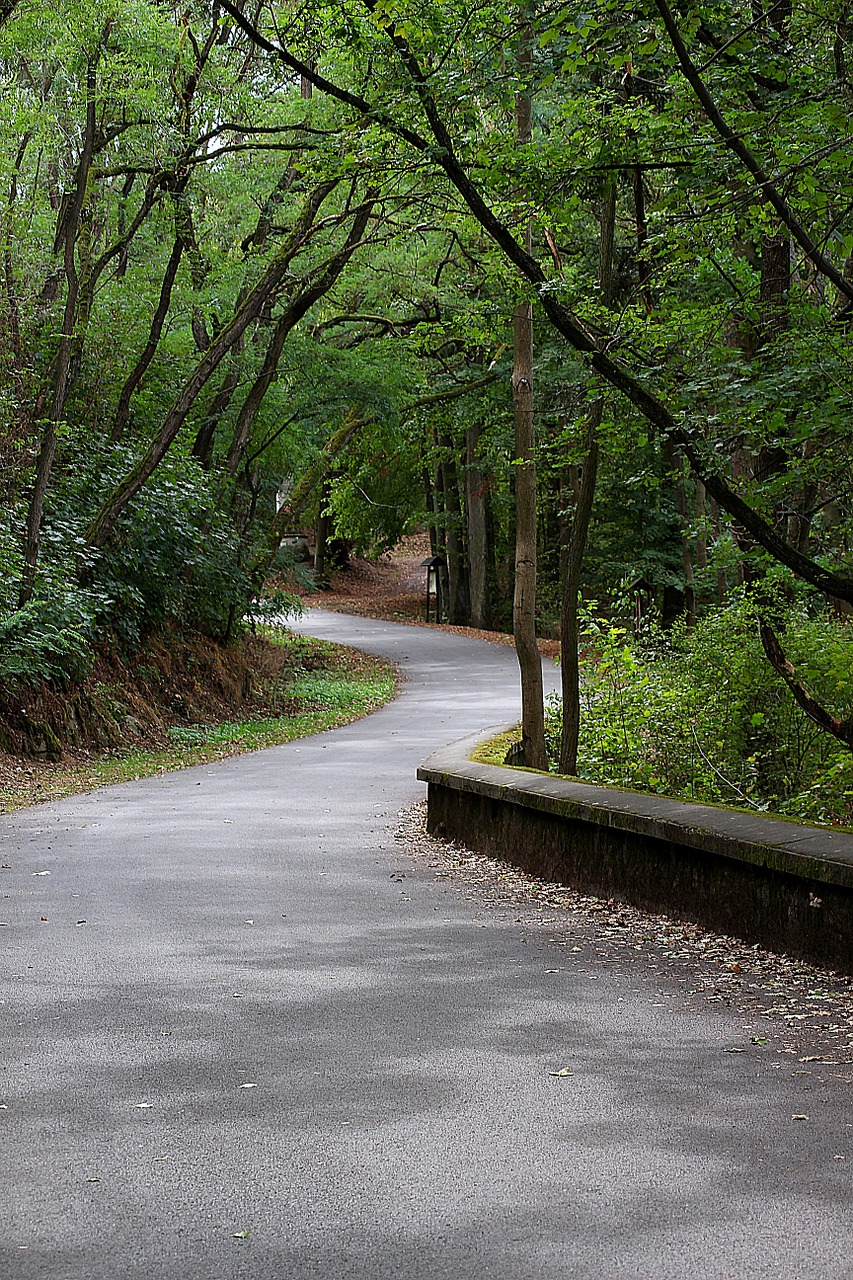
800,1014
393,588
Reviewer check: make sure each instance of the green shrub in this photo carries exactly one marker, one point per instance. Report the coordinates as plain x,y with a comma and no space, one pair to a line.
48,640
700,714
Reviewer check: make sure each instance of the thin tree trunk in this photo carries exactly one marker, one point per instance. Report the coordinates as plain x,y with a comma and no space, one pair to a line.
524,596
458,612
149,350
442,589
572,563
475,511
574,546
101,527
61,365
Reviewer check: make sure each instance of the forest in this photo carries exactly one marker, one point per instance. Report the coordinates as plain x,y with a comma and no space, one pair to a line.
570,286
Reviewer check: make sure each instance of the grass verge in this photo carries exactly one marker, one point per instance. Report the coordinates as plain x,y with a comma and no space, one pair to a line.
320,686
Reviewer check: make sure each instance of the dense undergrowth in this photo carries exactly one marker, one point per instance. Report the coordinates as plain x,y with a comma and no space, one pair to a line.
698,713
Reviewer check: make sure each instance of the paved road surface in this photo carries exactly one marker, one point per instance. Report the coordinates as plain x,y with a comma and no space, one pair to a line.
235,1018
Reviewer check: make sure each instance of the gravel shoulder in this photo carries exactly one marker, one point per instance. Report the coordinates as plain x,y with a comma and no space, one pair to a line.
801,1014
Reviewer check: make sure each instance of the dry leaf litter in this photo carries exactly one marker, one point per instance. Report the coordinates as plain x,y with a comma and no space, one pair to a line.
787,1005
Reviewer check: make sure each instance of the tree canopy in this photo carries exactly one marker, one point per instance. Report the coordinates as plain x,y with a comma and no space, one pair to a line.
259,270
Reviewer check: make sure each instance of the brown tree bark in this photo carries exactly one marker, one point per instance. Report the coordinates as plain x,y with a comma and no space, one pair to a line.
577,530
817,713
475,512
149,350
61,365
284,326
524,595
457,604
572,563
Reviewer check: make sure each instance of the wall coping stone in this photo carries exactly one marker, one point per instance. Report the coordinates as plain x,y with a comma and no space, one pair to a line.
814,853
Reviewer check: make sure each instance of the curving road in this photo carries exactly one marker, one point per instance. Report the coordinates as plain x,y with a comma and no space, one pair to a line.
225,1011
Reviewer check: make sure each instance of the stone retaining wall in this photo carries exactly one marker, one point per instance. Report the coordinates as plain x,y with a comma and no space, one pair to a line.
786,886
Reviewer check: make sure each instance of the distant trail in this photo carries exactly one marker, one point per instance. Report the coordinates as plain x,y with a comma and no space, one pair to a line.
252,1041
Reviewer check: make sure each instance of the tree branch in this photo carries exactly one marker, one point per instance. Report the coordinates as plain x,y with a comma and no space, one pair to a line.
653,409
825,720
736,145
453,393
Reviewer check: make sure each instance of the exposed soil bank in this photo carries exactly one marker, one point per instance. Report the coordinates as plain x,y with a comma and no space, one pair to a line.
176,704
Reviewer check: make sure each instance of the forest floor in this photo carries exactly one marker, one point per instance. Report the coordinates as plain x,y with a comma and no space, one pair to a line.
393,588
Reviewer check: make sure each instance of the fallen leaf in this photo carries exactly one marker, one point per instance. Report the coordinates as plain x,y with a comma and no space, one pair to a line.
240,1235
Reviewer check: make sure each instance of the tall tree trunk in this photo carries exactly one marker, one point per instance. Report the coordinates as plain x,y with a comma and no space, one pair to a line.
149,350
574,545
62,363
524,595
457,605
442,588
101,527
571,565
475,511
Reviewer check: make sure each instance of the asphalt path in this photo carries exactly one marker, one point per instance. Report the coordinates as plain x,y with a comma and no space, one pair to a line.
244,1036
